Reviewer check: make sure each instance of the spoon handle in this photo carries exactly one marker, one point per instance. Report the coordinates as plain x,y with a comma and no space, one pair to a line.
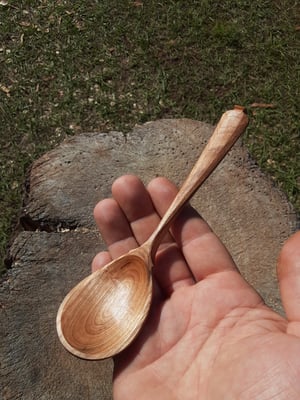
229,128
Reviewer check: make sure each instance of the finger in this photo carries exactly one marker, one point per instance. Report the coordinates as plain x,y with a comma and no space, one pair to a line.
127,220
115,230
100,260
114,227
288,271
171,270
202,249
136,204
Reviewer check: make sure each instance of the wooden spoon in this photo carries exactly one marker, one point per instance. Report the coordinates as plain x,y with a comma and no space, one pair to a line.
103,314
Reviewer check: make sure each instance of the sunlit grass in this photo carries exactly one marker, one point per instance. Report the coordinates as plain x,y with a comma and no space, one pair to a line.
69,67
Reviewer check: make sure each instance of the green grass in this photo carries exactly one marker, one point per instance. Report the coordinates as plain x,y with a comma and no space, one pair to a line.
69,67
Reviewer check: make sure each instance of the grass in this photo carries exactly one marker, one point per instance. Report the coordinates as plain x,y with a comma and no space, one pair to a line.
69,67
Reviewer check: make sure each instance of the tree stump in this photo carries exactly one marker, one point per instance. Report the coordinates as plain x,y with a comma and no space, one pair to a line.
59,240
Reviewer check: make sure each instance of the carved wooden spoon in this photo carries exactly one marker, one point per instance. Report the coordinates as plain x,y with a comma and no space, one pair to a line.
103,314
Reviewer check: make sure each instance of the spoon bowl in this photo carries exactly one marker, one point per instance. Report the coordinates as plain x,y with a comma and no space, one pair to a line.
110,311
103,314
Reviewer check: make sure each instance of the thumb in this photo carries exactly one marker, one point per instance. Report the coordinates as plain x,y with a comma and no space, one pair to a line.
288,272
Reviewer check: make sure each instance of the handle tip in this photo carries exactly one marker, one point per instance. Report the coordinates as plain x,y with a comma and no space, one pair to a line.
240,108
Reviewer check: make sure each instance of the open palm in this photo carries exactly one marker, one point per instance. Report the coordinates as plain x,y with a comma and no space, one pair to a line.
209,335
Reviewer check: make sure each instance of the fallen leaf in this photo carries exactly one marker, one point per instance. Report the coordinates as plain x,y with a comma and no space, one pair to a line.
26,24
5,89
262,105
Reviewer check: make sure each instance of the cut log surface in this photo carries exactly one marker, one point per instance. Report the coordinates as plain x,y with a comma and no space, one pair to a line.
60,239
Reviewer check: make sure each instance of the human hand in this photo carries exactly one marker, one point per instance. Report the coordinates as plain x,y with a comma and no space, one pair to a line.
209,335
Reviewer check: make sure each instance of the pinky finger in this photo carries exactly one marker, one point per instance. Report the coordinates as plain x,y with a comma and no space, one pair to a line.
100,260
